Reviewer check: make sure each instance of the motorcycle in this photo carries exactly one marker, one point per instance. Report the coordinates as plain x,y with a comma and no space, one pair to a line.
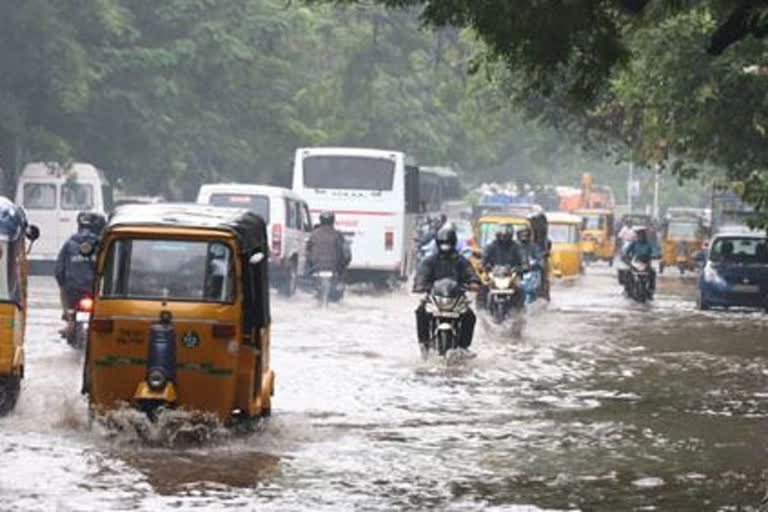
78,319
328,287
505,295
637,281
446,303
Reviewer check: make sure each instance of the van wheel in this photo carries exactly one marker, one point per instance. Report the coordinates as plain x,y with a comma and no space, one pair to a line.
10,387
702,304
288,286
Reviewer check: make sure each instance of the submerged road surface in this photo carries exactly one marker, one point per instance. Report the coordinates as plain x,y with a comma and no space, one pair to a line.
604,405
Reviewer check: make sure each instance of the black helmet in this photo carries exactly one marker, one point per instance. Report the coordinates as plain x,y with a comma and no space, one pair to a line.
91,221
327,218
504,233
446,239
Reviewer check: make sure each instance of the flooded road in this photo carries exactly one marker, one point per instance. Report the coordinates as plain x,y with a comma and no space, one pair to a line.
603,405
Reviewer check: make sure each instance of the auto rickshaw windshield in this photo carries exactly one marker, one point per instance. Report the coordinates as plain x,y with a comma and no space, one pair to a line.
169,269
686,231
593,222
563,233
10,271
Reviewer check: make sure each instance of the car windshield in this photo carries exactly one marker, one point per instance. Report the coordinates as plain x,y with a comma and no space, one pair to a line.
739,250
39,196
349,172
169,269
686,231
563,233
593,222
258,204
76,196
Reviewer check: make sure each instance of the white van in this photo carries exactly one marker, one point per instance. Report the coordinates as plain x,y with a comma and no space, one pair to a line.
53,196
288,224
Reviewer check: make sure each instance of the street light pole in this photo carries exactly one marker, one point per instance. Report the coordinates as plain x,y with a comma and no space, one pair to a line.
656,173
630,180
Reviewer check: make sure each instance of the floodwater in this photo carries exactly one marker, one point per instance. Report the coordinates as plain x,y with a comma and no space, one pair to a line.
604,405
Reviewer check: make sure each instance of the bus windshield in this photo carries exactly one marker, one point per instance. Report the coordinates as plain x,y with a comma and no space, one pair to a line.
349,173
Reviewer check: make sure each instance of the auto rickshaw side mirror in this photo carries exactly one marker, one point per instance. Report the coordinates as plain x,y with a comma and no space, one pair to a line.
256,258
32,232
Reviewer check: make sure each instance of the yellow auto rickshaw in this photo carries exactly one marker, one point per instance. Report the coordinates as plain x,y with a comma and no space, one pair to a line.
14,233
565,235
597,235
682,238
181,314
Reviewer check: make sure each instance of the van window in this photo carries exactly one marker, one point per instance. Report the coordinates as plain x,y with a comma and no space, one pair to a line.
291,222
258,204
39,196
76,196
307,217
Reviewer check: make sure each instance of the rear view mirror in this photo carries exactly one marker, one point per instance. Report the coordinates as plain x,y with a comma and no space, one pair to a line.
33,232
256,258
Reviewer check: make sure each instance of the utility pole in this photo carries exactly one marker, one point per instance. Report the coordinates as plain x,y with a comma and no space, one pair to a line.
656,173
630,182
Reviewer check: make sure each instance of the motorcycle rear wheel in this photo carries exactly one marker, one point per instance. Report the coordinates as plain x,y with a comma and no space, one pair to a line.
10,388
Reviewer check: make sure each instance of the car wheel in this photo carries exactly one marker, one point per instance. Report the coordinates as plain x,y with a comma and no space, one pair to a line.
701,303
288,286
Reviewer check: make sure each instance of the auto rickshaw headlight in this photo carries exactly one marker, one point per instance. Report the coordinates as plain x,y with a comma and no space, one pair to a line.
156,379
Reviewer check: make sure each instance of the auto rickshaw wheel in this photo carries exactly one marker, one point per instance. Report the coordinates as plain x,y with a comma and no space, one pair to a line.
10,387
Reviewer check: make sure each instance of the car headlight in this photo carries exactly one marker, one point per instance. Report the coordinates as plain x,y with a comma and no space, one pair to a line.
156,379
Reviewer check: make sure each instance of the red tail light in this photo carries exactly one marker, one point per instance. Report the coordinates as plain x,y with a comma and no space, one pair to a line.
223,331
389,240
102,324
85,304
277,240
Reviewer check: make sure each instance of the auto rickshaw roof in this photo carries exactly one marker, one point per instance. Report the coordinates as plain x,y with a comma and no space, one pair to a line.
13,220
593,211
248,227
563,218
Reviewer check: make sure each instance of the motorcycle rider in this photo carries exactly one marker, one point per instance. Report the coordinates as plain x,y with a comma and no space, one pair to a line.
447,263
502,251
641,249
74,271
327,250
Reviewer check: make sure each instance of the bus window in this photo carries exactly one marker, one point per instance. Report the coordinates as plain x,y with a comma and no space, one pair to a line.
349,172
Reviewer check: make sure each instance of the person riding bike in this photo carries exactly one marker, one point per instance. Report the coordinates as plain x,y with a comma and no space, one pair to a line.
327,250
74,271
447,263
641,249
502,251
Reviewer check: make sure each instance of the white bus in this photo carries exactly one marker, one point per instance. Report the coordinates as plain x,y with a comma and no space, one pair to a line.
375,196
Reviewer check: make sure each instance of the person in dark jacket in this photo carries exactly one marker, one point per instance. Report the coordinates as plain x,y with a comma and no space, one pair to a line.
447,263
502,251
327,250
75,272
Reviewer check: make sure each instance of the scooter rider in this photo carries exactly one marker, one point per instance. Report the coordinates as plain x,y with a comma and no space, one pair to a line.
74,271
327,250
641,249
502,251
447,263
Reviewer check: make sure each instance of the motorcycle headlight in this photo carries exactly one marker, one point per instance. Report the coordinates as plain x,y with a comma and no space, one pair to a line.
156,379
502,283
445,303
